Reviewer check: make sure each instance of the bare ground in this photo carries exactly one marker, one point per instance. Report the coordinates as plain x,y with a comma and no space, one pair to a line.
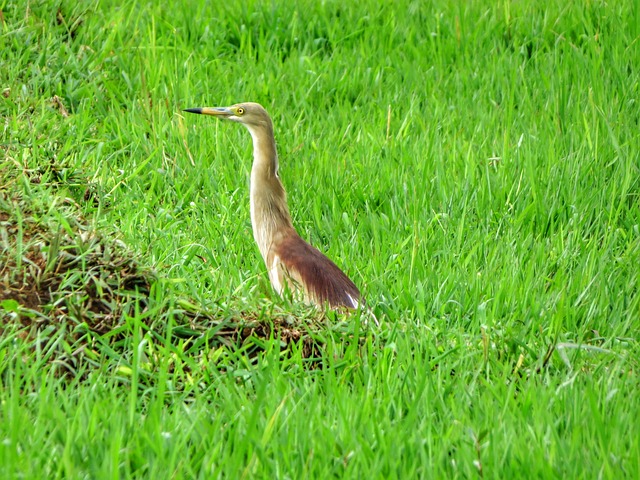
60,276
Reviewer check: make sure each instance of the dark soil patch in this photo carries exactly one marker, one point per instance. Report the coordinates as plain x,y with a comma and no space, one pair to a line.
58,276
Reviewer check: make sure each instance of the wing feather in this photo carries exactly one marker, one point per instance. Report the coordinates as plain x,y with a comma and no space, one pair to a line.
301,264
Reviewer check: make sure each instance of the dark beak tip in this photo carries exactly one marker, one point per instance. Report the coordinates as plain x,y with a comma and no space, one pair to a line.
193,110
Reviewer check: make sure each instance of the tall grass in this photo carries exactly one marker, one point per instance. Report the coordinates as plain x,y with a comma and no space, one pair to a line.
474,168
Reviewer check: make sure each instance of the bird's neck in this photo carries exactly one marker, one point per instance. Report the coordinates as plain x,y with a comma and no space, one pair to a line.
270,216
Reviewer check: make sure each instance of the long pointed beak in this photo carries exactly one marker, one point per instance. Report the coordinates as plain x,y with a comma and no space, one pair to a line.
223,112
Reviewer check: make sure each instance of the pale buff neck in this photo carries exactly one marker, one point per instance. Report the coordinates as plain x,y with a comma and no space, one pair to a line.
269,212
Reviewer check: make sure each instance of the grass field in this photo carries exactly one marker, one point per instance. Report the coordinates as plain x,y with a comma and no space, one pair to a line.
473,166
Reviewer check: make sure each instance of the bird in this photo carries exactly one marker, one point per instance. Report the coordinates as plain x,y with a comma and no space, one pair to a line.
293,265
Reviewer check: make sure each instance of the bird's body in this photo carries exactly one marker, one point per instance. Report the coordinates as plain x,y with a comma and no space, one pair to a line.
293,264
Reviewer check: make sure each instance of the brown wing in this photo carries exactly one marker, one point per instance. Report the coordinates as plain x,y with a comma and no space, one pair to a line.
321,279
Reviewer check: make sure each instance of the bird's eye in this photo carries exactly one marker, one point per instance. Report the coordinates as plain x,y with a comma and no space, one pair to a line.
239,111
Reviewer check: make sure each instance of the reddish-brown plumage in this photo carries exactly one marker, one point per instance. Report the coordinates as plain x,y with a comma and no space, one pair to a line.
321,279
292,263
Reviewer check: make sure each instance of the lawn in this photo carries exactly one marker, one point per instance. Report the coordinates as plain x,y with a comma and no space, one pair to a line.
473,166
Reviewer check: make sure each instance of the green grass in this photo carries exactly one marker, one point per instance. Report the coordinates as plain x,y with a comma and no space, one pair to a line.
473,166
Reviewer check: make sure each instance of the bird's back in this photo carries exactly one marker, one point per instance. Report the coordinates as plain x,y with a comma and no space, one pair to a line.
298,264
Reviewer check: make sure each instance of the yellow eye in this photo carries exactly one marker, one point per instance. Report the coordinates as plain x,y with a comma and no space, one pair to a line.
239,111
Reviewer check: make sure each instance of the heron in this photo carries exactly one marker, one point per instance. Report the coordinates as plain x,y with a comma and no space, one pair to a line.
293,264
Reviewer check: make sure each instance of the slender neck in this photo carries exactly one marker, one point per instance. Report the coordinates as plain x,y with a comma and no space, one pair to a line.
270,216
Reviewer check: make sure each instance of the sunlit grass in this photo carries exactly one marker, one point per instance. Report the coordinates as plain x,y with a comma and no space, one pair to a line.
473,167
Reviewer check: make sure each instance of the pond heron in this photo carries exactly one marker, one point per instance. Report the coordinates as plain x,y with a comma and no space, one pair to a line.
293,264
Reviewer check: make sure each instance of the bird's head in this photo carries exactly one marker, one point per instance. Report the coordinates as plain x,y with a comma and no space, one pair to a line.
252,115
